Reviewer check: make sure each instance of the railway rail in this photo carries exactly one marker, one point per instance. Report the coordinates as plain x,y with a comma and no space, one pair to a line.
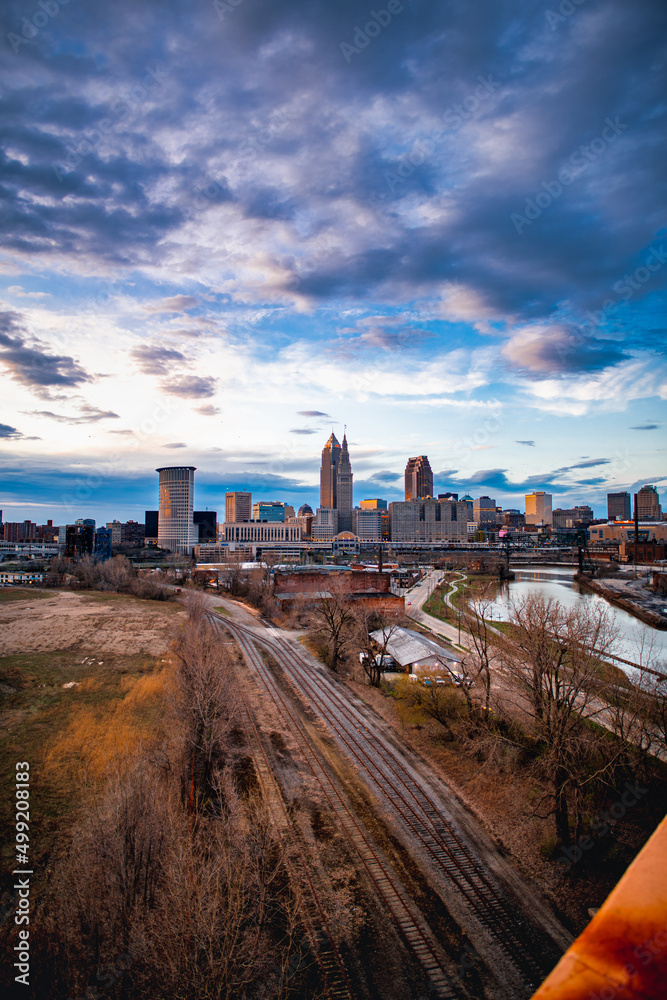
531,954
321,939
408,920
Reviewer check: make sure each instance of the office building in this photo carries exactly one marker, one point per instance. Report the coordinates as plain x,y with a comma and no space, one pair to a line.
251,532
304,522
151,523
206,522
103,544
448,496
367,523
176,528
336,481
238,506
305,510
647,502
513,519
428,520
79,540
115,527
619,506
325,525
374,504
571,517
538,507
484,512
418,478
19,531
269,510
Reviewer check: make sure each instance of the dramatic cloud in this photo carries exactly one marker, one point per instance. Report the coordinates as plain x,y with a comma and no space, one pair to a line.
31,366
190,387
8,433
155,360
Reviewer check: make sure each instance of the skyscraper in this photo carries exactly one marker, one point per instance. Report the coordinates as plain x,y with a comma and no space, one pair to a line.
648,504
344,489
619,506
238,506
176,528
336,481
418,478
538,507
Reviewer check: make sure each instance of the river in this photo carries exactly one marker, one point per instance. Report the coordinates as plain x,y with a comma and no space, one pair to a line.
637,641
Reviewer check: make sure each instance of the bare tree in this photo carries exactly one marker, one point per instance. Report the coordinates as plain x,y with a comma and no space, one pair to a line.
562,649
203,701
478,669
373,651
333,616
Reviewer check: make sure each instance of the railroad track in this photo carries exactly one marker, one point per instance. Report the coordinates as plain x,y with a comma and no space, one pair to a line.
322,941
410,923
531,954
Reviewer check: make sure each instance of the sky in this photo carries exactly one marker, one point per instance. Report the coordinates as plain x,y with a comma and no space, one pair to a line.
230,227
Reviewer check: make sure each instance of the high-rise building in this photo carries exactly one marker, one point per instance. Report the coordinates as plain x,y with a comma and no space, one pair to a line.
103,544
336,481
325,525
151,520
619,506
374,504
206,522
269,510
484,511
79,540
305,510
176,528
367,523
345,489
648,504
571,517
418,478
428,520
538,507
238,506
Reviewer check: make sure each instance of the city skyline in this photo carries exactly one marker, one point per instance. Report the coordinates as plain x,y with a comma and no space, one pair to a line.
228,234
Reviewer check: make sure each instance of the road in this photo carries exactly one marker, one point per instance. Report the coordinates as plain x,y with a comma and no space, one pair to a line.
513,936
415,600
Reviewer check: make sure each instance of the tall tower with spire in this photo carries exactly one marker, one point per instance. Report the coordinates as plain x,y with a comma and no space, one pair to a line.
336,481
344,489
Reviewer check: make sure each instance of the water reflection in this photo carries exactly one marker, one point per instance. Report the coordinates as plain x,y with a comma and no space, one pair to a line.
637,642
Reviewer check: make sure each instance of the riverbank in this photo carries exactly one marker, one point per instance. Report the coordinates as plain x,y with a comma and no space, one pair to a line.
631,595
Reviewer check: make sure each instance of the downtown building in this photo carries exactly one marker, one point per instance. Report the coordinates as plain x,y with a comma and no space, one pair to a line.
647,504
336,482
619,506
418,478
238,506
428,520
538,508
177,531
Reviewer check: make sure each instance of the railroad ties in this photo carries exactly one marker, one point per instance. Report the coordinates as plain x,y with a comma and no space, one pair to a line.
411,924
531,954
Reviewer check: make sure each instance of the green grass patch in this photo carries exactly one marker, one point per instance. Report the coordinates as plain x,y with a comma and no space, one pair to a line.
8,594
59,730
223,611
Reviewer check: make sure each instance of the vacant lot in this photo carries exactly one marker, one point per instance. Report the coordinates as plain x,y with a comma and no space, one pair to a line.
82,685
88,622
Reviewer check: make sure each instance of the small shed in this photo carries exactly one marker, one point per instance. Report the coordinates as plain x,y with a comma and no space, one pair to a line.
413,652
